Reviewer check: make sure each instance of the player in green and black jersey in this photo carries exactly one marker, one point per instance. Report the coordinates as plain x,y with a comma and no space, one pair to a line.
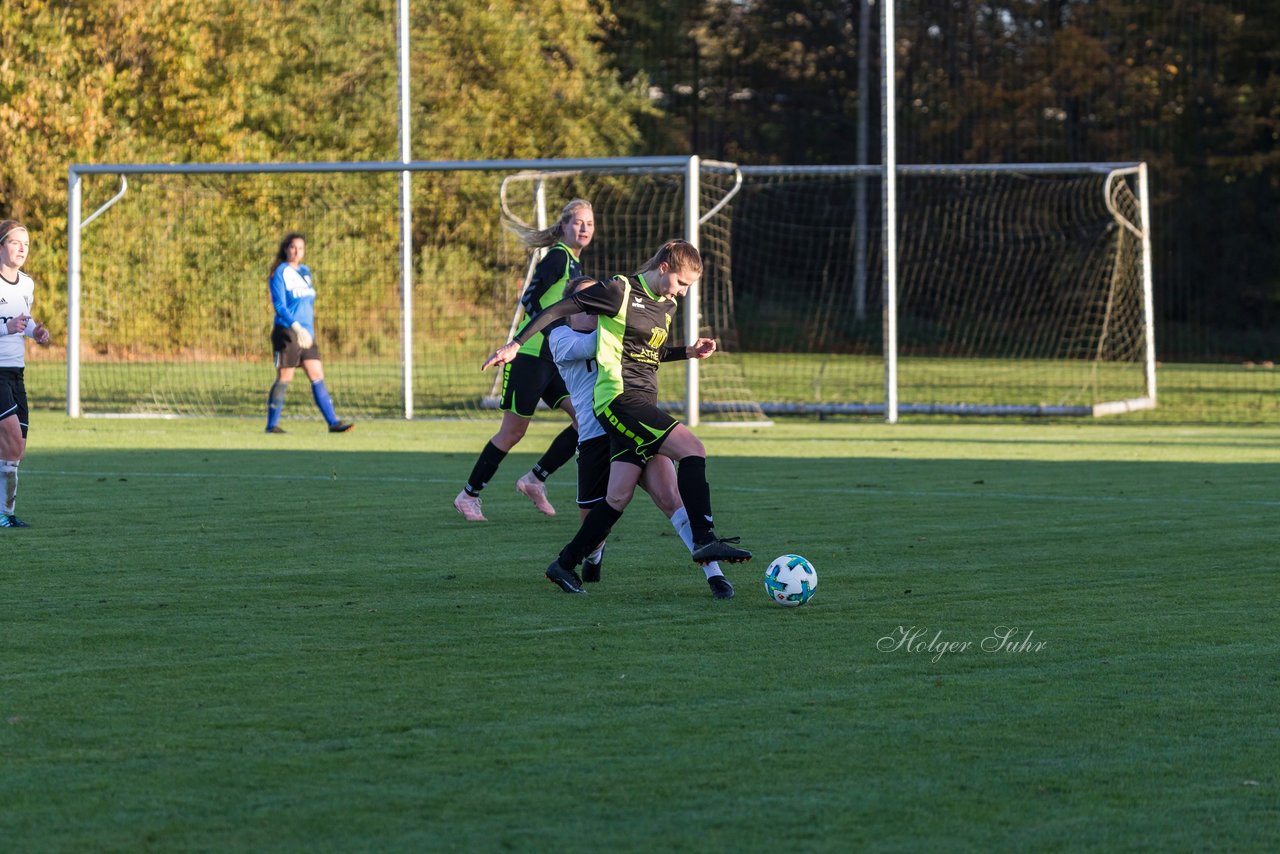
531,375
635,314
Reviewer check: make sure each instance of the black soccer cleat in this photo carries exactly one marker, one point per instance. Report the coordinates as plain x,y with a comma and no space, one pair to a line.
11,521
720,587
341,427
276,429
591,571
566,579
721,550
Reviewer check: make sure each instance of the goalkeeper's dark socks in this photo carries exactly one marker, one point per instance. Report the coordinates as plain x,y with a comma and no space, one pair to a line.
323,402
695,494
557,454
275,404
485,468
595,529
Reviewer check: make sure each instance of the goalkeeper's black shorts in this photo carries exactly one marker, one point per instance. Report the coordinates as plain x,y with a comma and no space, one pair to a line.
286,350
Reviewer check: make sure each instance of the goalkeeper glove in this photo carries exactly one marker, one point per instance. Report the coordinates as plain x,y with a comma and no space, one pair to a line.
304,337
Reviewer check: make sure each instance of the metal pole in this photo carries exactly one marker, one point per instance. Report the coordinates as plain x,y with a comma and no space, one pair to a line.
406,217
1148,288
692,323
74,192
860,198
888,142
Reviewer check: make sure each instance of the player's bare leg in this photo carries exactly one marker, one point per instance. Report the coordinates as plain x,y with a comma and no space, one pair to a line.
12,448
532,484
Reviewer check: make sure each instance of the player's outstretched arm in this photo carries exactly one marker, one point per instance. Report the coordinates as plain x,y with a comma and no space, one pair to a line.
502,355
549,315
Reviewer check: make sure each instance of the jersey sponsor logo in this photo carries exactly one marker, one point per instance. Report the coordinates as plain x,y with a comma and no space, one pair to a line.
657,337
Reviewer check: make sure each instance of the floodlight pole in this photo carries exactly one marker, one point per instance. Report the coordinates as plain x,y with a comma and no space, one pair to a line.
863,134
406,217
888,144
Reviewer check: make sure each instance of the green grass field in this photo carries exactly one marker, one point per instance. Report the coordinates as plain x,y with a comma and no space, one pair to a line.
449,384
220,640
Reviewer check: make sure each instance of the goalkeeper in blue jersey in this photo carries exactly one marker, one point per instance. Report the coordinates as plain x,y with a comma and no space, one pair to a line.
530,376
635,320
293,335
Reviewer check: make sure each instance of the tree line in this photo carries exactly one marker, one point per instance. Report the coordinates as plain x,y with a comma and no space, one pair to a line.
1190,86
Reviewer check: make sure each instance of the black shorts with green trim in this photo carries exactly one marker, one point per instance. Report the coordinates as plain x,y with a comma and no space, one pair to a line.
593,470
526,380
636,427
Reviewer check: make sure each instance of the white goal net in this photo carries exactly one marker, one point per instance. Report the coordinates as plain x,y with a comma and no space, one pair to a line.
1021,289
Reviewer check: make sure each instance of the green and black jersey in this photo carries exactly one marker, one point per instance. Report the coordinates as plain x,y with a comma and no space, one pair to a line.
634,325
547,288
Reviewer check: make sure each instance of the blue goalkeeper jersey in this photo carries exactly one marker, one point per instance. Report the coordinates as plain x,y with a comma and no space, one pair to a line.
293,297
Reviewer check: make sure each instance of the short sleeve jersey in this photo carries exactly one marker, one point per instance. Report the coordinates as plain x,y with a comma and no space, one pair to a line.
633,327
546,288
15,301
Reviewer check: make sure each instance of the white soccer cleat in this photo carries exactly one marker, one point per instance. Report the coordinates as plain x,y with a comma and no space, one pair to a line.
469,507
536,491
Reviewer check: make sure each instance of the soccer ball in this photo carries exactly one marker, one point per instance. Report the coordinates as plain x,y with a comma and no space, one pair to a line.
790,581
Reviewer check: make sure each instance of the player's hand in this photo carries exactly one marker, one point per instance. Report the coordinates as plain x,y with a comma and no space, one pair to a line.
42,335
305,340
703,348
504,354
17,325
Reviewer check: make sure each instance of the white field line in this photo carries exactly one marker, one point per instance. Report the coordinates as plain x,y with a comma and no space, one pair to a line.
764,490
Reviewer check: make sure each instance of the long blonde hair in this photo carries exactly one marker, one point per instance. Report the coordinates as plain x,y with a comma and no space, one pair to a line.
541,238
679,255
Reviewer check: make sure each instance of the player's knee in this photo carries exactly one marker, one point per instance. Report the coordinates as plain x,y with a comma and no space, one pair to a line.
512,431
620,499
686,445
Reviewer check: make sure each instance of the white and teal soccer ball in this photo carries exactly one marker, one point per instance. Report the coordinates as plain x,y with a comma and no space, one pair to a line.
790,581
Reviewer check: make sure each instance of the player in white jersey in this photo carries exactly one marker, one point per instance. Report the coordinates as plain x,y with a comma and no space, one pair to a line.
17,293
573,347
293,296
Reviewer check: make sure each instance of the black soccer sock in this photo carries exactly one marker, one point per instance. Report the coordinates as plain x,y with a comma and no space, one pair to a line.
486,466
595,528
691,478
558,453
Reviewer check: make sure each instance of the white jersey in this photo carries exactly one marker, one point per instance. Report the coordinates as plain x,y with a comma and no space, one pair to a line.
15,301
575,357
